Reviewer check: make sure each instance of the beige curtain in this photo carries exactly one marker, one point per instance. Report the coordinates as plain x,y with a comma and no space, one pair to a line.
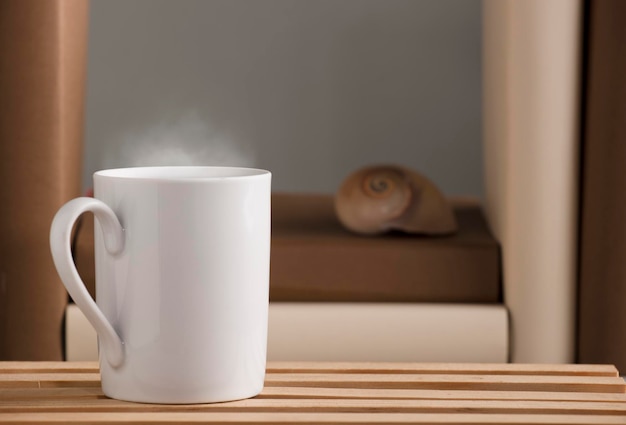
42,73
531,70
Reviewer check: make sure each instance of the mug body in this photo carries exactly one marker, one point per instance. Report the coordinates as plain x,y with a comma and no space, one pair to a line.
188,293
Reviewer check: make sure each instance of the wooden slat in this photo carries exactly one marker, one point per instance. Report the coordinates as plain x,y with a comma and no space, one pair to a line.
444,368
55,393
369,393
49,367
450,382
307,418
44,380
357,367
340,393
323,406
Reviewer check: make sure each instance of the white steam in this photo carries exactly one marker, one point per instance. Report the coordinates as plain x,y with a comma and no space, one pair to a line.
186,140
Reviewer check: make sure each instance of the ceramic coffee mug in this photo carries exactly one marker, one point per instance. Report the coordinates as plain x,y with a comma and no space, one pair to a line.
182,280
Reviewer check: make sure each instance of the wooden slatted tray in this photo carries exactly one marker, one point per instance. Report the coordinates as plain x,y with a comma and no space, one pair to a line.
336,393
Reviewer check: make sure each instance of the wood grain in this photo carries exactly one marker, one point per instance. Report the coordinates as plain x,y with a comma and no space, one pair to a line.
339,393
450,382
306,418
443,368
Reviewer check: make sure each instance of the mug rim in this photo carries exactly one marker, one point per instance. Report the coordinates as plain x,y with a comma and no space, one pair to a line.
181,173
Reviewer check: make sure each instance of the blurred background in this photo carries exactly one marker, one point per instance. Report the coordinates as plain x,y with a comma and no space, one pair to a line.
310,90
519,104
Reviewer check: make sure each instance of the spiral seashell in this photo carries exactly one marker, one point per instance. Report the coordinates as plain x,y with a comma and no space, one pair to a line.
377,199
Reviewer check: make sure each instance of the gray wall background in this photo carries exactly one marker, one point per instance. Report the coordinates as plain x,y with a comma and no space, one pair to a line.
309,89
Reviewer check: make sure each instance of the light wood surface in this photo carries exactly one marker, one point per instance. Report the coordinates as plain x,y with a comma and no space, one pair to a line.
324,393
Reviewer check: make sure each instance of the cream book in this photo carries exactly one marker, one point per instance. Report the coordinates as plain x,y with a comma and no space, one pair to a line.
390,332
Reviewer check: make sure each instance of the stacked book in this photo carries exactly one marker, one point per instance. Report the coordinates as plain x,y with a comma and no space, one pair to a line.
338,296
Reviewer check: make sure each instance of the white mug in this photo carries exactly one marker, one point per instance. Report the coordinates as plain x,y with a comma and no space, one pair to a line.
182,280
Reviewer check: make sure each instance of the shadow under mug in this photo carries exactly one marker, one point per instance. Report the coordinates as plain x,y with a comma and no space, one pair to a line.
182,280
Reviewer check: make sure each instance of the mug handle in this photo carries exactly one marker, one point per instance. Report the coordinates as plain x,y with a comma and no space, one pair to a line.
60,238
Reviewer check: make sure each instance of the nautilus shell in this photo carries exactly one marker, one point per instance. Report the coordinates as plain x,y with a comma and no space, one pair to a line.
377,199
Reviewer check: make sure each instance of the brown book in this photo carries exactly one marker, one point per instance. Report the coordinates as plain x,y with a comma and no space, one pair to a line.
315,259
42,74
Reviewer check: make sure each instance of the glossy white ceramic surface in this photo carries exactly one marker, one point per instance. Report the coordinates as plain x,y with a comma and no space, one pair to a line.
184,282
